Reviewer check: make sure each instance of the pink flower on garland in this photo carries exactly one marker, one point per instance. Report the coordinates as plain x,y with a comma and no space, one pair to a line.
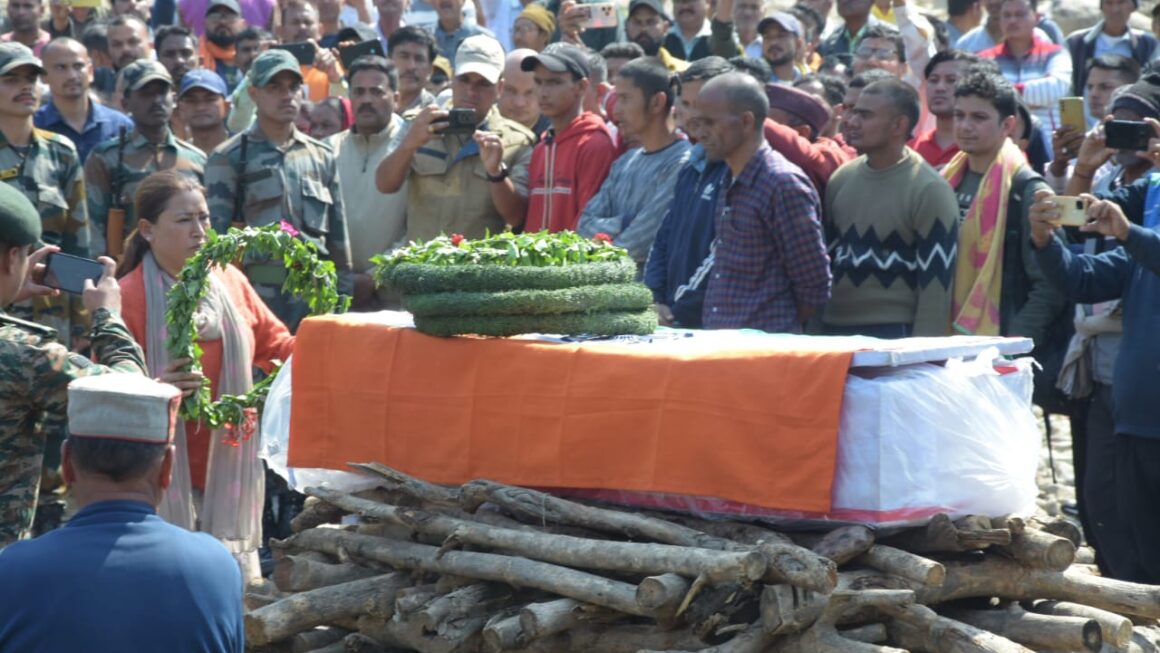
288,228
602,237
456,239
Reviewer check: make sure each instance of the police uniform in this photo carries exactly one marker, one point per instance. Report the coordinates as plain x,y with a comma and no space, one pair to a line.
116,167
35,371
251,180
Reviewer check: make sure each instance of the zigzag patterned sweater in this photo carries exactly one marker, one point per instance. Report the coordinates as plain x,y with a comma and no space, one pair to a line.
892,238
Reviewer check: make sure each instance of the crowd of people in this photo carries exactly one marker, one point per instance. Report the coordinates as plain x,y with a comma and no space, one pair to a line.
879,173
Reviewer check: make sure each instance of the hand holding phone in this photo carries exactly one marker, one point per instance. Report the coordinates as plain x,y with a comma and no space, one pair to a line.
1128,135
303,51
600,14
459,121
1072,210
1071,114
69,273
350,53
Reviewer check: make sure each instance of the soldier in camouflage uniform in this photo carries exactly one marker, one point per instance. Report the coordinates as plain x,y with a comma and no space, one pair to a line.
117,166
272,172
45,168
35,369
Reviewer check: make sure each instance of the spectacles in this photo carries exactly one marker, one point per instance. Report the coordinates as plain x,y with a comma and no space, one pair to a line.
881,54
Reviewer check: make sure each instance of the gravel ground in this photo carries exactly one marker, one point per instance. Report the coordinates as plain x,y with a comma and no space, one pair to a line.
1053,494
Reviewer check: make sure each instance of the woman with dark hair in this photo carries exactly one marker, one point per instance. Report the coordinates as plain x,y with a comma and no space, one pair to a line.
218,482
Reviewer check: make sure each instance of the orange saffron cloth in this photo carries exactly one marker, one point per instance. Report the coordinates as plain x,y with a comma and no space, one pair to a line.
272,341
759,427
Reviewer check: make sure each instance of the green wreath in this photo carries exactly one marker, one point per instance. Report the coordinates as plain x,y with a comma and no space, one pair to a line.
308,277
581,299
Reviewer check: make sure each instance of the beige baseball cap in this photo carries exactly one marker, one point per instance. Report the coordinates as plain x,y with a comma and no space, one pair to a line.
482,55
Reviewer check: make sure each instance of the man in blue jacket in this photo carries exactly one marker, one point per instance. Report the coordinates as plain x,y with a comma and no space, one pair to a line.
1131,272
118,577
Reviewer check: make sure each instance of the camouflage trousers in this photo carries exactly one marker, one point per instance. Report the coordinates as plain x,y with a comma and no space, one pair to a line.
21,462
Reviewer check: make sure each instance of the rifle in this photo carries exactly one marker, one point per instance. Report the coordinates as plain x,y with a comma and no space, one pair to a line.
240,191
115,221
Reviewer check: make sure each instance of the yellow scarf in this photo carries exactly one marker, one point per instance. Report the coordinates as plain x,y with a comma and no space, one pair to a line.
979,268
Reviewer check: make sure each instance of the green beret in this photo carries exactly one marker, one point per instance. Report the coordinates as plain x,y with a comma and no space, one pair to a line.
19,221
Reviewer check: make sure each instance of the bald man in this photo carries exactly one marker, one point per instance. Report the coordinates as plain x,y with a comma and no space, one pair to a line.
772,272
71,111
519,100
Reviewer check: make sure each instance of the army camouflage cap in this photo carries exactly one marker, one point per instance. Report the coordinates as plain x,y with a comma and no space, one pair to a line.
19,221
142,71
14,55
270,63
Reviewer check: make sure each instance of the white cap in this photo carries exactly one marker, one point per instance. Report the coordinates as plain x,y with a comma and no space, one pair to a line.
122,407
480,54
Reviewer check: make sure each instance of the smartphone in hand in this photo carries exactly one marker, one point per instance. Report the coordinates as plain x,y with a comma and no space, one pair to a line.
68,273
1128,135
303,51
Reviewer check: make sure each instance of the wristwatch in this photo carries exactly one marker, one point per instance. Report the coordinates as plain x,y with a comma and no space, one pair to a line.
503,174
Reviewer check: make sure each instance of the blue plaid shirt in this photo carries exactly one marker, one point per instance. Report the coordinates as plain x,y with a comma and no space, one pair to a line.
771,255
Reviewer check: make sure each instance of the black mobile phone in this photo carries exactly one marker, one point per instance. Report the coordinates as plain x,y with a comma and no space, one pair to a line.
349,53
68,273
460,121
303,52
1128,135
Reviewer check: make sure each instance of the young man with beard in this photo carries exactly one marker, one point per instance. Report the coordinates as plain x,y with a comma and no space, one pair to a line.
413,51
634,197
771,271
646,26
117,166
1000,290
571,162
519,100
24,18
201,101
1106,74
781,40
223,23
892,226
272,172
445,192
938,146
376,221
71,111
177,50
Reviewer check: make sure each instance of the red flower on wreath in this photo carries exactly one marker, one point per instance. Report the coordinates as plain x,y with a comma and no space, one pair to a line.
288,228
235,434
602,237
456,239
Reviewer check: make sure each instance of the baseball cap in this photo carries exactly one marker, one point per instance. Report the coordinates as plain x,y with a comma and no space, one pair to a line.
142,71
270,63
232,5
784,20
482,55
14,55
203,78
655,5
128,407
559,58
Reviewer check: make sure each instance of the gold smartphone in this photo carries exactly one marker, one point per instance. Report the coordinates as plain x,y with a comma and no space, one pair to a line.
1071,114
1072,210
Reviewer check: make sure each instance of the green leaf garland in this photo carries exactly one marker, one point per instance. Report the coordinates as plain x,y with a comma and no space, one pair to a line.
312,279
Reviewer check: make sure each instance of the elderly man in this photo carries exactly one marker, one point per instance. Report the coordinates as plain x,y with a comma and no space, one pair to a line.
771,271
520,100
118,460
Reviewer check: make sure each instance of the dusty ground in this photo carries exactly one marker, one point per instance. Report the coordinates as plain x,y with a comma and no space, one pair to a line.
1054,494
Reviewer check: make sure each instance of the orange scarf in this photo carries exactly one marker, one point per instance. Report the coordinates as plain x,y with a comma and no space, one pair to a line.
211,53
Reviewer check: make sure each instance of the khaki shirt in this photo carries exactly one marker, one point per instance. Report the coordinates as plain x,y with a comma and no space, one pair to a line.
448,191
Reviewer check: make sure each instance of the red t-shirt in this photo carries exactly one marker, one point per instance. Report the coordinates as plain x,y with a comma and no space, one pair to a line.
927,147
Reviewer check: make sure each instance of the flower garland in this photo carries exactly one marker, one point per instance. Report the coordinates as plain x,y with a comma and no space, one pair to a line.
308,277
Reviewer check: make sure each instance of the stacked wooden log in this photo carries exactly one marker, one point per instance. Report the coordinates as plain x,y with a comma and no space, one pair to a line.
488,567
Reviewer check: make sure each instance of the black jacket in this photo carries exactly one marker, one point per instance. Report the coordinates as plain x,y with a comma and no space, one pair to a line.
1081,46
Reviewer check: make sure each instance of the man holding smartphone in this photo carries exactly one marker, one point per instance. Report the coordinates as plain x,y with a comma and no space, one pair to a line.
468,181
35,369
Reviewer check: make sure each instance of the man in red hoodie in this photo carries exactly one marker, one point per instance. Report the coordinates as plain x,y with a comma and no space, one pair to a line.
572,159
